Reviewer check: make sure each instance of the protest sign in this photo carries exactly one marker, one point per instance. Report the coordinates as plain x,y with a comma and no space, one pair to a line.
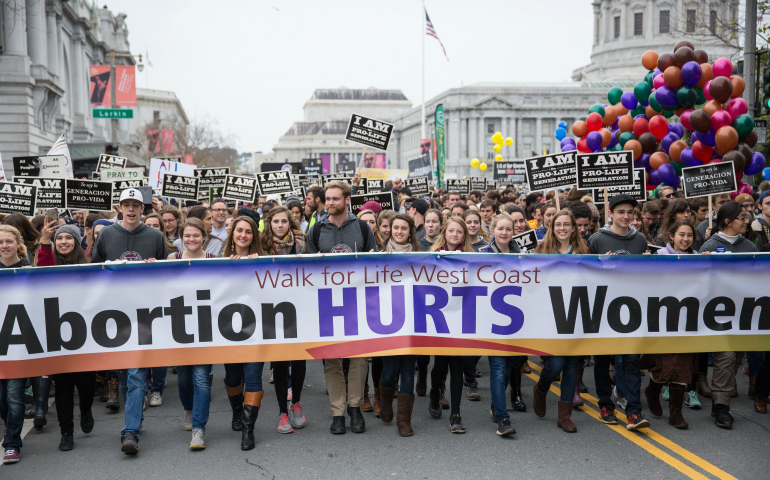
275,182
638,191
297,192
240,189
510,172
306,180
348,168
17,197
211,177
89,195
312,166
420,167
369,132
460,185
706,180
526,241
373,185
160,166
385,199
215,193
258,310
363,186
50,191
547,172
110,162
48,166
133,173
605,170
180,186
417,185
336,176
119,185
479,183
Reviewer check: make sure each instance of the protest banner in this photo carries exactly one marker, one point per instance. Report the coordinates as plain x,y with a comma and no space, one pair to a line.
312,166
547,172
48,166
240,189
479,183
374,185
347,168
527,241
300,192
638,191
420,167
89,195
373,304
385,200
17,197
110,162
211,177
160,166
369,132
460,185
303,180
336,176
418,185
605,170
119,185
215,193
132,173
706,180
510,172
180,186
384,174
50,191
275,182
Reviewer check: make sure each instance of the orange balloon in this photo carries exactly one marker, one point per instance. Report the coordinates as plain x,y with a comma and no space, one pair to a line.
610,115
658,158
580,129
634,146
650,112
679,112
675,150
626,123
706,74
712,106
620,109
650,60
726,139
673,77
720,151
606,137
739,85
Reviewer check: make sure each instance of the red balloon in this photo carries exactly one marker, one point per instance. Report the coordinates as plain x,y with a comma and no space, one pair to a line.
658,126
702,152
641,126
594,121
582,147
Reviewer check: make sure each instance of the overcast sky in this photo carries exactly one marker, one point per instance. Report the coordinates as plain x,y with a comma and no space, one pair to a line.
251,65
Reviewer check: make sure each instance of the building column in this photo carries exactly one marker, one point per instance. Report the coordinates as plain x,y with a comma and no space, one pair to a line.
480,144
473,132
37,42
517,139
52,40
512,152
462,135
14,27
538,143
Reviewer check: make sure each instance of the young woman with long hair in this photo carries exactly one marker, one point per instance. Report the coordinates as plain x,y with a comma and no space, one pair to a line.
678,209
211,244
433,223
298,213
370,218
479,237
382,234
193,236
502,228
30,235
454,237
566,239
172,220
155,221
639,225
519,217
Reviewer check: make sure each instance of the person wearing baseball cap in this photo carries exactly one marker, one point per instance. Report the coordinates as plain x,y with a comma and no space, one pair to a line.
748,203
417,210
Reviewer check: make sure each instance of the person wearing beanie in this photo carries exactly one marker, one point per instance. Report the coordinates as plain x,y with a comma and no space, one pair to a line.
373,206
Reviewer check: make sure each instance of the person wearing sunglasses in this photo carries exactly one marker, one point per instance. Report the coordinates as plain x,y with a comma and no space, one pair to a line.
669,193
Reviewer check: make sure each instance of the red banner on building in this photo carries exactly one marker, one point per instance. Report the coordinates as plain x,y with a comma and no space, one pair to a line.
100,86
125,86
162,144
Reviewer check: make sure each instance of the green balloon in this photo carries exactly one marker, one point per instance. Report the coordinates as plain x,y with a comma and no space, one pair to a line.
672,108
617,148
597,109
613,96
642,91
639,110
743,124
677,166
654,103
667,114
648,77
624,137
701,98
686,97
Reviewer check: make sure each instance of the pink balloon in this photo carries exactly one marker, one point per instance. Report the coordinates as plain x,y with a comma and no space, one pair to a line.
744,188
658,82
738,176
737,106
684,118
721,119
706,91
714,160
722,68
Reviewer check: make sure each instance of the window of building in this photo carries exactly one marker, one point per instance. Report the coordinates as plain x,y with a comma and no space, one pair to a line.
565,101
528,100
690,27
546,148
664,16
639,24
547,125
617,27
546,100
156,116
526,127
490,128
526,149
713,21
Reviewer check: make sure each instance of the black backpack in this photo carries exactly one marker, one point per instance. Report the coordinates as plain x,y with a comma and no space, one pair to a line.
366,232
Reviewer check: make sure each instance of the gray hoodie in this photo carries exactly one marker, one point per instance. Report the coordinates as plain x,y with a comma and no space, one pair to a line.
719,239
348,238
605,240
117,243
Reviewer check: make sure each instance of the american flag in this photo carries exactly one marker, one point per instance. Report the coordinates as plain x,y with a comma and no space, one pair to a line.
432,32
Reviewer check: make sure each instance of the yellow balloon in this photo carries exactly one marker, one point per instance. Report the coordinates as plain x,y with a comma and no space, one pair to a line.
475,163
483,167
509,141
497,137
498,158
496,148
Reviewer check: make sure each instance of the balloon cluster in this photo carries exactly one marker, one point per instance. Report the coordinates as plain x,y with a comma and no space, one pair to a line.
705,97
499,142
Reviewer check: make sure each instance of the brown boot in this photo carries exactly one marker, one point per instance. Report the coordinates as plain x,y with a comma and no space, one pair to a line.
703,386
675,400
376,402
367,405
404,414
752,383
386,403
652,392
422,382
565,422
538,401
442,399
760,405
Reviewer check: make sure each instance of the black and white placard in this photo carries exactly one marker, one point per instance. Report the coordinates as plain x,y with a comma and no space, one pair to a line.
312,166
374,185
551,171
110,162
240,188
216,193
510,172
89,195
275,182
526,241
605,169
418,185
48,166
303,180
211,177
120,185
336,176
705,180
180,186
385,199
300,192
348,168
50,191
459,185
638,191
17,197
368,131
479,183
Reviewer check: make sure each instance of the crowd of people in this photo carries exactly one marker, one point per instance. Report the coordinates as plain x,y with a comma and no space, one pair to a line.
443,221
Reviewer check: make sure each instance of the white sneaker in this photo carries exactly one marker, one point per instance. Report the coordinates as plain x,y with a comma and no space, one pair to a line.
187,425
156,399
197,442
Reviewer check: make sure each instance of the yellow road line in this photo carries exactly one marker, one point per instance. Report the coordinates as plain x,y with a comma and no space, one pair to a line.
674,447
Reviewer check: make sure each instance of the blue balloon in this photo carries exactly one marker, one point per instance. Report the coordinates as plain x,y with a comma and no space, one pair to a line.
667,173
594,141
766,173
563,124
688,158
756,165
691,73
560,133
629,101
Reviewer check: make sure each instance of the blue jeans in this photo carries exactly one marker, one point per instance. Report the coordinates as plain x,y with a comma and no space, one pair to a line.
754,359
631,384
195,392
158,378
12,410
395,365
133,388
620,377
568,366
249,373
499,374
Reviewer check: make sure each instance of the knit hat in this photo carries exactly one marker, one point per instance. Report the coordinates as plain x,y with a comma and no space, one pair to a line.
744,197
71,229
102,221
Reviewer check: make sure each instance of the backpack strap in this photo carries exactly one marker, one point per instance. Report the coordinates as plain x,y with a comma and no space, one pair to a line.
316,228
366,231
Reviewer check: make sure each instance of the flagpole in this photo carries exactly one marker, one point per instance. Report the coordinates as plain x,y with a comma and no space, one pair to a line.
422,32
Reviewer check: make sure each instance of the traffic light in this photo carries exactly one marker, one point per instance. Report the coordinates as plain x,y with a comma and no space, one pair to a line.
766,89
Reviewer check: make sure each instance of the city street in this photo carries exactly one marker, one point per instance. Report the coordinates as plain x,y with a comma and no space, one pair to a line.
538,450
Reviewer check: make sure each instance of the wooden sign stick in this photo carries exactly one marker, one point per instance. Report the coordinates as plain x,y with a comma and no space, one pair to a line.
606,208
711,215
363,156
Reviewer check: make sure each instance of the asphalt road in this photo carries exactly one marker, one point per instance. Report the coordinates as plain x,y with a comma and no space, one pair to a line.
538,450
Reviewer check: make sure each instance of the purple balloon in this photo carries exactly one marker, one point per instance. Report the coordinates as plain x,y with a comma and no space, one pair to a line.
657,72
594,140
569,148
667,173
708,138
691,73
756,165
653,178
688,158
612,143
676,128
666,96
641,115
615,125
665,142
643,161
567,141
677,182
628,100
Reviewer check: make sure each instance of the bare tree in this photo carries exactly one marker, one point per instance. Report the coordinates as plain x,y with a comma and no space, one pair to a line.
202,139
